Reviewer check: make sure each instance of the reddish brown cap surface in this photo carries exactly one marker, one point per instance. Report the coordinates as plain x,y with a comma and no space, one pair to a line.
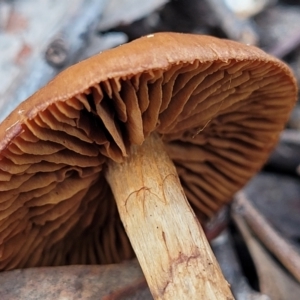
218,105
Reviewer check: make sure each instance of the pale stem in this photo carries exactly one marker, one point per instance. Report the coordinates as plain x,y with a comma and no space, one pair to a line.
165,234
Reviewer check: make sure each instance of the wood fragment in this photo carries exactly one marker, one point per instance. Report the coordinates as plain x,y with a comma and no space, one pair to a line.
273,241
93,282
274,280
76,28
227,257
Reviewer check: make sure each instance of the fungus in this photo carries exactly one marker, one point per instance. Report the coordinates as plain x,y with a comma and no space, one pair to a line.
116,129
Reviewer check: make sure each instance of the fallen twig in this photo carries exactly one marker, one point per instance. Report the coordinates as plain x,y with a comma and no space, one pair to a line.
75,31
229,263
275,243
274,280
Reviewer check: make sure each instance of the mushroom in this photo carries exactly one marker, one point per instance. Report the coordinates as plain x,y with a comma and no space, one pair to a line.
117,128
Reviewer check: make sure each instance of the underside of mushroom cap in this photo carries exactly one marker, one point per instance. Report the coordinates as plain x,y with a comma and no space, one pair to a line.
219,107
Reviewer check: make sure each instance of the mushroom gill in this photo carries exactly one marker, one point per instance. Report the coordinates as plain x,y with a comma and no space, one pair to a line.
218,115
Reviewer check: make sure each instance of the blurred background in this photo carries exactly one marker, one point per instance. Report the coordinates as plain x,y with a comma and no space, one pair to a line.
257,239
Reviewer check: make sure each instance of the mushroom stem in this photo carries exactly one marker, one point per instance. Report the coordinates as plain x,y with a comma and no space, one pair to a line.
166,236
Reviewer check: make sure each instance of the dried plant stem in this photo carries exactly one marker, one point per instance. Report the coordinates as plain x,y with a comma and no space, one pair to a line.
166,236
267,235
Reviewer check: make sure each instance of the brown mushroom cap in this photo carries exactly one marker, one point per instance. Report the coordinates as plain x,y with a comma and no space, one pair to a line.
218,105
